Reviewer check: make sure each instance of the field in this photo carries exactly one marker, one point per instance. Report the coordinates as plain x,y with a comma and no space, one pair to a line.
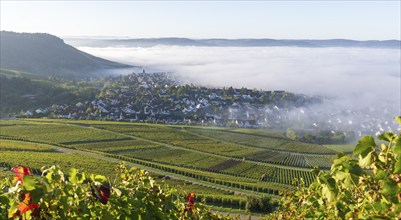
217,163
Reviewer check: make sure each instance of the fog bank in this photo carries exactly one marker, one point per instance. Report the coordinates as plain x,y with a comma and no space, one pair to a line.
351,78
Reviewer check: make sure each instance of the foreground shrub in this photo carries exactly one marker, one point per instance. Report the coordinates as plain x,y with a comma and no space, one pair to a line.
133,194
366,188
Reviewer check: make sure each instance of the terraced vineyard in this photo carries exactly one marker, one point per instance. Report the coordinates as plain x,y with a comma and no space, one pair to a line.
55,133
234,160
263,141
35,156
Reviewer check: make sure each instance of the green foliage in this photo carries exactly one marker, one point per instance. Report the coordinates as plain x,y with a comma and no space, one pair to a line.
291,134
326,137
24,91
256,204
366,188
133,195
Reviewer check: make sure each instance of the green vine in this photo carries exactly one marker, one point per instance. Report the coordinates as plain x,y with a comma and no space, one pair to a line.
133,194
368,187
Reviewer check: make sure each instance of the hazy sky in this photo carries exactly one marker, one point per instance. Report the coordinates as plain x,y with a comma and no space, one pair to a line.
360,20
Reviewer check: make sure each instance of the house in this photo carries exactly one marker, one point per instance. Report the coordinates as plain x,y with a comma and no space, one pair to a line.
41,111
247,97
114,102
28,113
188,109
177,107
144,85
165,112
213,96
204,102
148,110
128,110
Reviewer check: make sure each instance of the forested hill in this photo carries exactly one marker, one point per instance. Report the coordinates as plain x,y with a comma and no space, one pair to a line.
48,55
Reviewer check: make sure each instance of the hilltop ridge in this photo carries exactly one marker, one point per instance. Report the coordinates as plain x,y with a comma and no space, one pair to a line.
48,55
216,42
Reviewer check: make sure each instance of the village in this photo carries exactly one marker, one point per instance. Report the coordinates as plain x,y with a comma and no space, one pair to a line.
161,98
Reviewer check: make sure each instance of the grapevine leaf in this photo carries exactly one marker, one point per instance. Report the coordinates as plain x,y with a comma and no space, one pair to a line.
339,175
117,191
381,174
356,170
327,193
397,166
29,183
99,178
366,161
64,201
36,195
390,187
345,177
397,208
329,181
364,146
387,136
12,211
48,176
397,146
379,205
4,199
340,159
73,176
76,177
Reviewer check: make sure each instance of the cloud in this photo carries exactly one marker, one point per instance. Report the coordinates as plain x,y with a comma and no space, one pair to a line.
353,78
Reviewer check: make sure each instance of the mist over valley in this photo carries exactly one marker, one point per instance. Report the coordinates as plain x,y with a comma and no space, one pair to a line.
360,86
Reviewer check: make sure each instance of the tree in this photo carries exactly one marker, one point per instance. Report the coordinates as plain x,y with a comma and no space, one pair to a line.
291,134
181,91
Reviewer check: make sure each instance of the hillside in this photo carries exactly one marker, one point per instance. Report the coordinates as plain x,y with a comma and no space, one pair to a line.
226,167
48,55
174,41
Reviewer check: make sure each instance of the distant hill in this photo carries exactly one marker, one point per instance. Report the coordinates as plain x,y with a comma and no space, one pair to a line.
148,42
48,55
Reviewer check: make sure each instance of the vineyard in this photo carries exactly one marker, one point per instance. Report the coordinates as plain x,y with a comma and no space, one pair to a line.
235,163
36,156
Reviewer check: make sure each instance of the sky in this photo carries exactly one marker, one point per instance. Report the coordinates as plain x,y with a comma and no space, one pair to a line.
359,20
